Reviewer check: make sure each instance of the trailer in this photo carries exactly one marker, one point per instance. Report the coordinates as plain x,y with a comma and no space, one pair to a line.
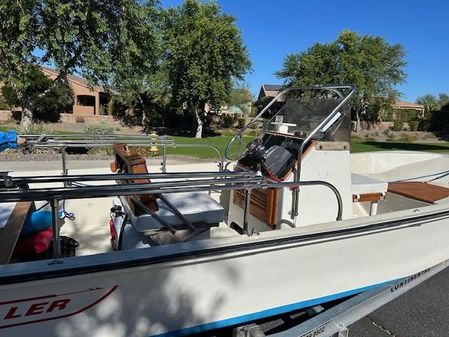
334,321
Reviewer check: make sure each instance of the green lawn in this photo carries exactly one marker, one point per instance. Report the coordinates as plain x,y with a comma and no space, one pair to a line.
357,146
220,142
370,145
5,128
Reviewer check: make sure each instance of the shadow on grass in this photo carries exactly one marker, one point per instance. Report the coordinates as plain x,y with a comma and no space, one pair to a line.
407,146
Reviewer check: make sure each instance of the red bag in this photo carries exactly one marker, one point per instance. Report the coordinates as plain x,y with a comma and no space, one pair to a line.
36,243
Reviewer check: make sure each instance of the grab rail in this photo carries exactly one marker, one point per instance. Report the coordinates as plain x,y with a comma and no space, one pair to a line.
54,194
63,142
72,192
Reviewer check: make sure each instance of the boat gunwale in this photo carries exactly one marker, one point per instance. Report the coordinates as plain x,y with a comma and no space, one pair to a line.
102,262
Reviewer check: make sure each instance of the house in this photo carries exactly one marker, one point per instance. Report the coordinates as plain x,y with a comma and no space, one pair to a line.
239,104
88,101
401,107
231,111
269,90
402,111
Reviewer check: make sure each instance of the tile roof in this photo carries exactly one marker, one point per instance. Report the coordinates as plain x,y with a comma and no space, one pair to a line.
73,78
272,87
406,105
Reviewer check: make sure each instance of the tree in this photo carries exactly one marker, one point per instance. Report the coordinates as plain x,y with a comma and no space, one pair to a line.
242,98
204,54
139,79
89,37
443,99
58,96
368,62
436,110
430,103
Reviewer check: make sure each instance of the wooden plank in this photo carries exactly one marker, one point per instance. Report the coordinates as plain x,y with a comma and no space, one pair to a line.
10,233
419,191
367,197
263,204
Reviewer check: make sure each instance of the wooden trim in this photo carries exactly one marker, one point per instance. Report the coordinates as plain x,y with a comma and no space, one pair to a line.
373,197
10,233
263,204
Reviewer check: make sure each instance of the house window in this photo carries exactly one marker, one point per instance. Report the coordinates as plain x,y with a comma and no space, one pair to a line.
85,100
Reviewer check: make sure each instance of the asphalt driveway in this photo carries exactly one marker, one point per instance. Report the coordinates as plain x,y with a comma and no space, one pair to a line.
421,312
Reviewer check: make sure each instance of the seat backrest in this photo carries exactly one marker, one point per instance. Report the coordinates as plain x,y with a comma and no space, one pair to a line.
130,161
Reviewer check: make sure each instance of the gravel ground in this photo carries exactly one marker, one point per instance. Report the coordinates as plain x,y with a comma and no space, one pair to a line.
50,155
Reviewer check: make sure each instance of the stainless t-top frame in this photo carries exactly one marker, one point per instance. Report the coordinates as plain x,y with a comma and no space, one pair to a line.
337,89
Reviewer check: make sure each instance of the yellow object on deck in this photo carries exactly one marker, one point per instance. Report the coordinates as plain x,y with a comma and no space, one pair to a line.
154,150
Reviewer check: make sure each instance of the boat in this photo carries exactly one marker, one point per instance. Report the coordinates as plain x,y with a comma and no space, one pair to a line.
288,221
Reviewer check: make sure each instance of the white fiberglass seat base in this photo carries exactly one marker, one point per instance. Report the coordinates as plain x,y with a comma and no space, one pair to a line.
197,207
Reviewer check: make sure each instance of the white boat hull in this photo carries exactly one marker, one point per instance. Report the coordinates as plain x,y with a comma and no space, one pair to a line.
211,284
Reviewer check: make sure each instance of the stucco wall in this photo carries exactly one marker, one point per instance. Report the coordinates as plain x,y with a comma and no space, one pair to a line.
79,89
5,115
72,118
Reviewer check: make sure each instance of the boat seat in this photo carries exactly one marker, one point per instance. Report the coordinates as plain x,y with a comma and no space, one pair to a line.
420,191
12,219
132,239
368,189
197,207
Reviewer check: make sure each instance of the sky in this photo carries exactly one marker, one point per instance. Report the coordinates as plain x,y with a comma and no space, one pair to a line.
272,29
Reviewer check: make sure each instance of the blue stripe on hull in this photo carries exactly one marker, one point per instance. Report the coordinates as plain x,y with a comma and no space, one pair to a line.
269,312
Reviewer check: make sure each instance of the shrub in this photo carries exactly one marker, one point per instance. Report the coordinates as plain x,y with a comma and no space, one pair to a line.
425,125
38,129
389,133
3,104
413,125
34,129
407,138
241,122
398,126
101,128
251,133
229,121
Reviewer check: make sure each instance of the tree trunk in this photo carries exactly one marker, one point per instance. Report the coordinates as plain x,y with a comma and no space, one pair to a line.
144,119
199,127
27,114
144,113
357,124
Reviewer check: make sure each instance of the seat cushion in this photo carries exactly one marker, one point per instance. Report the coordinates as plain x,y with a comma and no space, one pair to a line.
195,206
367,185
